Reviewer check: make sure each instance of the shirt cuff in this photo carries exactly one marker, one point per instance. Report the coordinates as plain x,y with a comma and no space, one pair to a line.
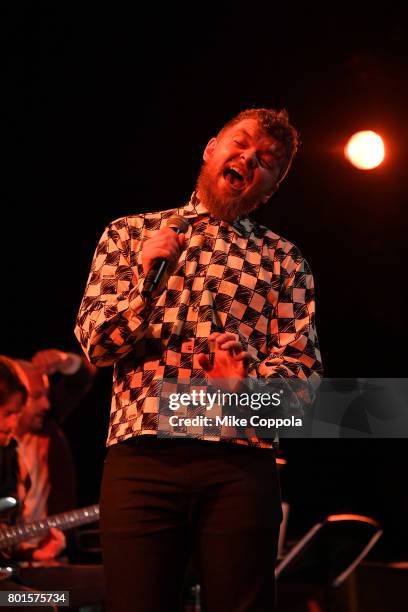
138,302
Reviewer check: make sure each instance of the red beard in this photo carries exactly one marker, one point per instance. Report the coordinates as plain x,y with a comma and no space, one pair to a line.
222,205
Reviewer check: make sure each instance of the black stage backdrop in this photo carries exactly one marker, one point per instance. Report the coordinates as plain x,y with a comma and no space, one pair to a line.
107,113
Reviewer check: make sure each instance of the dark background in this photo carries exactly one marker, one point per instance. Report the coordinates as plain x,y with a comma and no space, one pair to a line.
107,113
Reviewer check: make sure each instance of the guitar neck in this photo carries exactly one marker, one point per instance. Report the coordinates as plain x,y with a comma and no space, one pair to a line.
10,536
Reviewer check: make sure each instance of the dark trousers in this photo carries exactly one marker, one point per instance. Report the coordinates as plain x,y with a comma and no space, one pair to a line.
166,500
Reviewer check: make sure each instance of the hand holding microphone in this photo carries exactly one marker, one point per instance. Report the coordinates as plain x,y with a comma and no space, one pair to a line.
161,253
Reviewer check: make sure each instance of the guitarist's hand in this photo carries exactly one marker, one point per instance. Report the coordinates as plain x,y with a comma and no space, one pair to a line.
51,546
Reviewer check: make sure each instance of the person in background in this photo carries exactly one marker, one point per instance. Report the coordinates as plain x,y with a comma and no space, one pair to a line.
38,464
44,452
13,395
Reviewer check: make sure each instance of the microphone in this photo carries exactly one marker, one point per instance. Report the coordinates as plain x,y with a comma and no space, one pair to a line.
153,278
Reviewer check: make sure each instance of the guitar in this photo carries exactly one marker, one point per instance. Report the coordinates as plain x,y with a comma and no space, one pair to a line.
10,536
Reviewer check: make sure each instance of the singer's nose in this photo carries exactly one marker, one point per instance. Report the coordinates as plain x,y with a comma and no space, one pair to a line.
249,156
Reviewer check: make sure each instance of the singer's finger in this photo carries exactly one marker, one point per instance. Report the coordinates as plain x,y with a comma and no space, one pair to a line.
171,246
231,345
225,337
242,356
204,362
181,241
165,253
214,335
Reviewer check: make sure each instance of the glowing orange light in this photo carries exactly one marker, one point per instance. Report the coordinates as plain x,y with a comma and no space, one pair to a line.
333,518
365,150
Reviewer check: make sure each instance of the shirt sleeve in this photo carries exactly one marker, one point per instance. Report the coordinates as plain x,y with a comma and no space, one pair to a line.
294,355
113,315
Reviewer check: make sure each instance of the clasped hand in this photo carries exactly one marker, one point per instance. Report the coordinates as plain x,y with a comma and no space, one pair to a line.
230,365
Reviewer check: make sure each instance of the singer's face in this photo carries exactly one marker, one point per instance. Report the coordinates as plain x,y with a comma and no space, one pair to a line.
240,172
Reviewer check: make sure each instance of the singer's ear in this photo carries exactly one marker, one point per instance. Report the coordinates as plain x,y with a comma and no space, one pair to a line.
209,149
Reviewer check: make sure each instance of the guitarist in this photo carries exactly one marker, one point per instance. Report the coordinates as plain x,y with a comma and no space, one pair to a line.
13,395
44,453
85,583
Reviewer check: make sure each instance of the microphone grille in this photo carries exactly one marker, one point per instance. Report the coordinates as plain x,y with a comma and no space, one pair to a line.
179,222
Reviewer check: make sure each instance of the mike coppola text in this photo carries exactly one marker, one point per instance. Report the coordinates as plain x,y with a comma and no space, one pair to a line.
222,400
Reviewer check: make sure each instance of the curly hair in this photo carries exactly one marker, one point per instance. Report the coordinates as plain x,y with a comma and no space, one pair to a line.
273,123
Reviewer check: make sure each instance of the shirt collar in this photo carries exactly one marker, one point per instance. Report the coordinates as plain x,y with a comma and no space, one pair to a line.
194,208
243,226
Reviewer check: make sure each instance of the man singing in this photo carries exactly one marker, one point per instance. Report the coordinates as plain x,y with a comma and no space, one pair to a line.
236,303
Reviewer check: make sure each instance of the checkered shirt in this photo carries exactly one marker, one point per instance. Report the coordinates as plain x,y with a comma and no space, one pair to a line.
240,278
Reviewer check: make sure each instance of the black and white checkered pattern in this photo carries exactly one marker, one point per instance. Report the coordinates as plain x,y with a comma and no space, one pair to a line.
241,278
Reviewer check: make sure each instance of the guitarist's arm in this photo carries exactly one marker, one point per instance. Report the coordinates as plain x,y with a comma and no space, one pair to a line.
51,546
53,541
76,378
48,548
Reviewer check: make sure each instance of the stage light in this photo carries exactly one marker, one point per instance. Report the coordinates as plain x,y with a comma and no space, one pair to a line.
365,150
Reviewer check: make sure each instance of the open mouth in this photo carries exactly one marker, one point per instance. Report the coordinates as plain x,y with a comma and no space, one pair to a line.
234,177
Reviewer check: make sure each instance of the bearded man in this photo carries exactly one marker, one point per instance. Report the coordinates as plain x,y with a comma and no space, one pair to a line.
236,303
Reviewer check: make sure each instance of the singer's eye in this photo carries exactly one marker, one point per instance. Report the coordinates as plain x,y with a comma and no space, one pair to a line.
269,165
239,143
268,161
